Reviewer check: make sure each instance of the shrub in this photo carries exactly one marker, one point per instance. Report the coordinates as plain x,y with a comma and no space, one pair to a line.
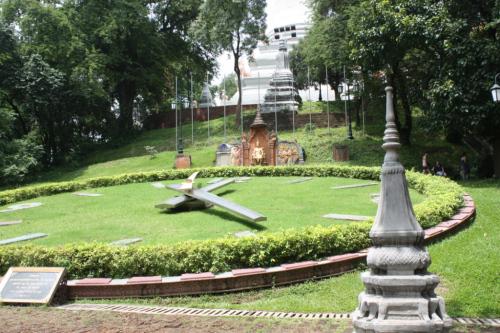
443,198
97,260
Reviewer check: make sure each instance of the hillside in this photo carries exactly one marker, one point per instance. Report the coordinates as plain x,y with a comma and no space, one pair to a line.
364,149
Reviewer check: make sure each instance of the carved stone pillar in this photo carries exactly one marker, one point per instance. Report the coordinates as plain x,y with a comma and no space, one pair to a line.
399,295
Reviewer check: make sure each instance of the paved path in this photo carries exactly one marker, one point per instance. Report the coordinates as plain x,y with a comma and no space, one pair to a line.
123,308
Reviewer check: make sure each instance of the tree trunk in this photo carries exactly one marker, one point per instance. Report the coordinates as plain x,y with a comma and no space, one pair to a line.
405,131
126,95
24,127
320,98
357,108
335,83
496,157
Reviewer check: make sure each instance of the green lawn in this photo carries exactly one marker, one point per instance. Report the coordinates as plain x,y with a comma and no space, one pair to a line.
127,211
467,264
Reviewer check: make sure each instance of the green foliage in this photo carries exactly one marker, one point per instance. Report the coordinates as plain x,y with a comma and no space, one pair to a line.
151,150
75,74
98,260
230,84
440,56
232,26
18,159
443,198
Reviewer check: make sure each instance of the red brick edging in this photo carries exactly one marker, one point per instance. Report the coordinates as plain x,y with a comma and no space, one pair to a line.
247,278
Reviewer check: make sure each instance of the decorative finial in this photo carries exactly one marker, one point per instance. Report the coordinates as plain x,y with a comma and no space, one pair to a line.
258,121
391,136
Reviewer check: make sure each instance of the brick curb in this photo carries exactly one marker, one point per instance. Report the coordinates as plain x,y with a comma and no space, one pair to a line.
248,278
494,322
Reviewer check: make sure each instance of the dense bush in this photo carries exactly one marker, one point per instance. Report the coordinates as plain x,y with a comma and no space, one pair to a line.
218,255
443,198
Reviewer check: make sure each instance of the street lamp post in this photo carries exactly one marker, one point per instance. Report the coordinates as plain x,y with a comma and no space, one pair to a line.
327,99
192,110
174,107
309,91
209,100
349,132
495,90
224,97
182,160
180,148
347,111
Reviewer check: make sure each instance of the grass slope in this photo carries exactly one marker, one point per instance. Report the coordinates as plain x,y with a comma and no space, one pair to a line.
467,264
364,149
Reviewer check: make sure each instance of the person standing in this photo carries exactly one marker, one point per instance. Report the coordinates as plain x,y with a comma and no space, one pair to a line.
425,164
464,167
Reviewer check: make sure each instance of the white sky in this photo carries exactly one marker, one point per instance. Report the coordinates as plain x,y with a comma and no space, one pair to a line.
279,12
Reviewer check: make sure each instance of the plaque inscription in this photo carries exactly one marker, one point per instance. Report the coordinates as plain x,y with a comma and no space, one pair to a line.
30,284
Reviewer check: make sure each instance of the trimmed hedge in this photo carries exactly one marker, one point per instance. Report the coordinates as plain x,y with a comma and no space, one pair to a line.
99,260
30,192
443,198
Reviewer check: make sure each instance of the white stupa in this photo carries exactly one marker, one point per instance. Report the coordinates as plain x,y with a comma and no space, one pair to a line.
265,62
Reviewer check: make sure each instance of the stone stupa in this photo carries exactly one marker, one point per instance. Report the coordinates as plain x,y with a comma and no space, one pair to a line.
206,99
281,95
399,292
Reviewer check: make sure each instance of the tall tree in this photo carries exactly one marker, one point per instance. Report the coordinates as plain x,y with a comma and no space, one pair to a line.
326,44
129,49
233,26
19,150
388,35
458,92
50,92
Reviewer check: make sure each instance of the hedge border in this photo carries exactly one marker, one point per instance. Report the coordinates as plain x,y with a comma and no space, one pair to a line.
444,197
245,279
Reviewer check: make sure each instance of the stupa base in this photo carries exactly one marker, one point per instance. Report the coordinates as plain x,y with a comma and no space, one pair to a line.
400,326
397,304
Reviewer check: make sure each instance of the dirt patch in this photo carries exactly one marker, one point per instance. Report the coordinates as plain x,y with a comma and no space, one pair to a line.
43,319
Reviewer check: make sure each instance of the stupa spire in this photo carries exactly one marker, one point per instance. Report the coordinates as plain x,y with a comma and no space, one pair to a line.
399,295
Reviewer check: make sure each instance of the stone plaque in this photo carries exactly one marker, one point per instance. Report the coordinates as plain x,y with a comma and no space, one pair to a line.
30,284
